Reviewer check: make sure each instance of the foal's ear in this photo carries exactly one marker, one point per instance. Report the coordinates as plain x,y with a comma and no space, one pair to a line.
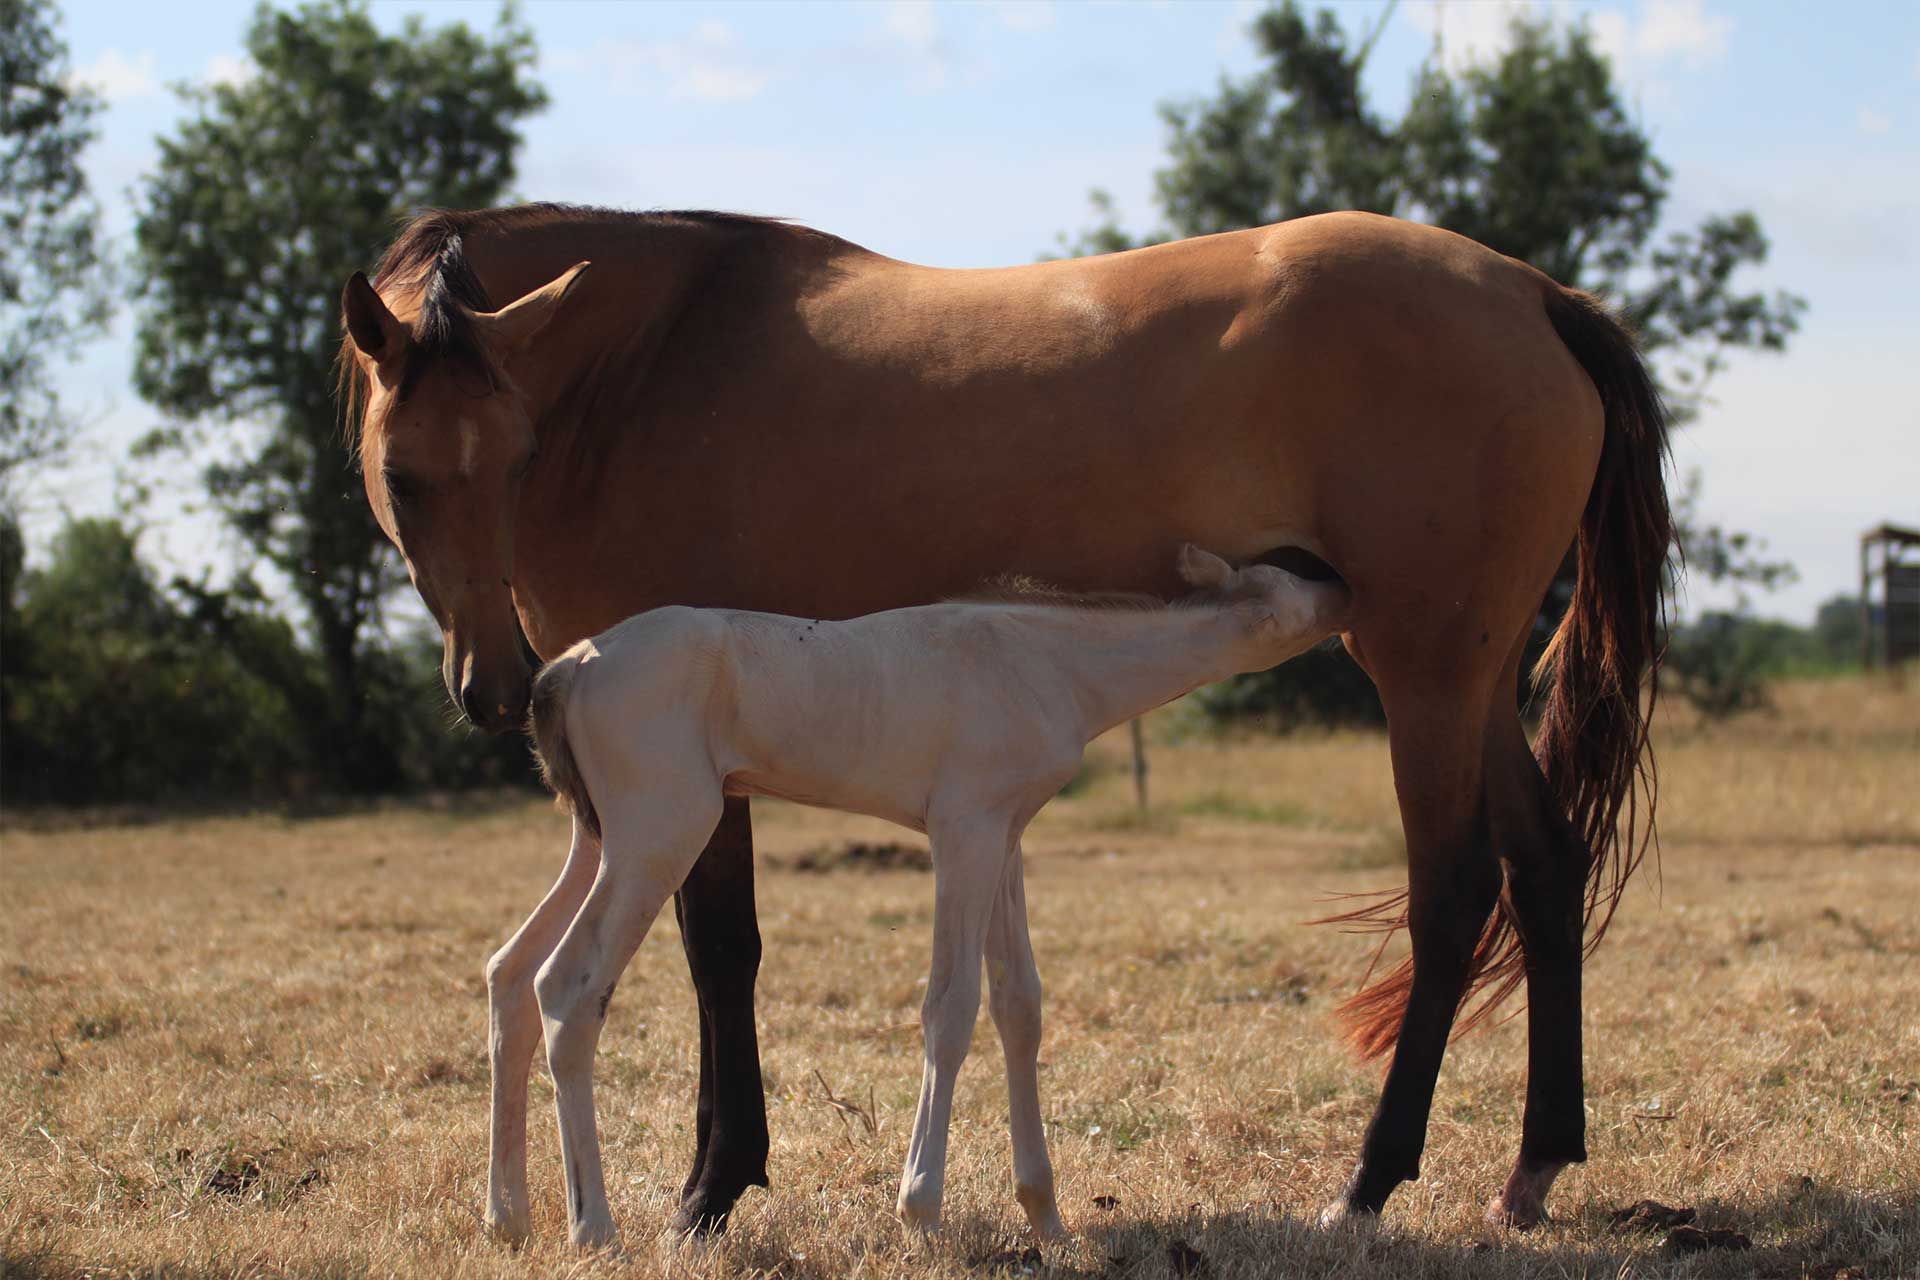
513,325
376,334
1203,569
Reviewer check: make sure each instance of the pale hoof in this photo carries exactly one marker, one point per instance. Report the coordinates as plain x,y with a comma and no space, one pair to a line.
596,1237
1519,1215
508,1229
1522,1204
1043,1213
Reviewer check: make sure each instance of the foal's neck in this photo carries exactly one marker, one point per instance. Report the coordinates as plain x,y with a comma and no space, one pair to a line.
1124,663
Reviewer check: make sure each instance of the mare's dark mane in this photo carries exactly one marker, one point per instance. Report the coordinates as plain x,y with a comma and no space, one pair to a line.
429,258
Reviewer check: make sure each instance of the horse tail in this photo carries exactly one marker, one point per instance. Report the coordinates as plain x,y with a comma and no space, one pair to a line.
1592,745
547,725
1593,742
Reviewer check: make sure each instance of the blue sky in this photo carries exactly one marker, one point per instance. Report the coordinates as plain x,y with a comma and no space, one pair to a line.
969,135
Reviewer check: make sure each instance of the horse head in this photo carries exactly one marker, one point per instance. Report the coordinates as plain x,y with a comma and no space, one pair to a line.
446,436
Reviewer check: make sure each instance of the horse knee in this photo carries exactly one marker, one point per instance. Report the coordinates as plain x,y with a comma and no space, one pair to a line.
946,1021
1016,1003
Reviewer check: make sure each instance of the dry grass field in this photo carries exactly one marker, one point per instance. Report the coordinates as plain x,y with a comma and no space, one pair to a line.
254,1046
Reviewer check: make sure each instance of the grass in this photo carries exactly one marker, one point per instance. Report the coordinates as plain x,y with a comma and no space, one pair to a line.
246,1046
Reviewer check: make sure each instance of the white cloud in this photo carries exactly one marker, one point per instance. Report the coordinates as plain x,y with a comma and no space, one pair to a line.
1025,15
1872,121
1475,34
1468,34
914,26
228,69
704,66
1682,28
117,77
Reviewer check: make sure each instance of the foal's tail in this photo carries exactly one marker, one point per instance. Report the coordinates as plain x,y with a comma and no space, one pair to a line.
547,725
1592,745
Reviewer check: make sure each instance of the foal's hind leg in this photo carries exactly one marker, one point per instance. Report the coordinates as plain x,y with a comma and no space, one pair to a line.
649,846
514,1032
1013,984
967,865
1546,865
1452,884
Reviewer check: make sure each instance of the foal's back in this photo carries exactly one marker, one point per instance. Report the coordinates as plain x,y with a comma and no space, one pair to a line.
870,715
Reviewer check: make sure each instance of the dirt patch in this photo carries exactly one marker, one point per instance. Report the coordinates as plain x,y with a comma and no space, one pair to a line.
863,855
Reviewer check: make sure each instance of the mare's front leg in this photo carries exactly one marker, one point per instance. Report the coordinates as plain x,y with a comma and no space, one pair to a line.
513,1034
722,939
1452,884
967,865
576,983
1013,984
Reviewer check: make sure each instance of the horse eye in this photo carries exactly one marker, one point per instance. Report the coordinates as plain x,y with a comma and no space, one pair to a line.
402,488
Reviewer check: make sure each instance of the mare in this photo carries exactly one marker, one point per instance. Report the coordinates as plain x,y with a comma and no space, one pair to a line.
958,719
732,411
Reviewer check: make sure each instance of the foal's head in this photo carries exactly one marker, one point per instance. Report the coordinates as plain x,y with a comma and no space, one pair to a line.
445,438
1279,607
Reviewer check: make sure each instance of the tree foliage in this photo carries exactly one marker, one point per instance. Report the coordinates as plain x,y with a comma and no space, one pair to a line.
1532,153
116,689
53,281
262,203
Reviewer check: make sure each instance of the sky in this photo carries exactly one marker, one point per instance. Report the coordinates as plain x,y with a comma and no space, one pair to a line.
970,135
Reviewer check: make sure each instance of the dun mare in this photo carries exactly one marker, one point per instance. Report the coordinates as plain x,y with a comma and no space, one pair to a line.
959,719
736,412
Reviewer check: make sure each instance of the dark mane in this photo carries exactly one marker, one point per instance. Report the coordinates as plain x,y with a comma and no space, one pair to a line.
429,258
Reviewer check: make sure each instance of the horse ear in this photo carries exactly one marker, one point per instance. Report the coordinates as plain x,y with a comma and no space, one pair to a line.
373,328
1203,569
515,324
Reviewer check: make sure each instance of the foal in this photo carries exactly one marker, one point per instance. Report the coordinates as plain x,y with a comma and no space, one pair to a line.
958,719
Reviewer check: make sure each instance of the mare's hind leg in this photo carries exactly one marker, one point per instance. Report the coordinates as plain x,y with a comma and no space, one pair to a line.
722,940
651,841
1452,884
513,1033
1013,985
1546,865
968,861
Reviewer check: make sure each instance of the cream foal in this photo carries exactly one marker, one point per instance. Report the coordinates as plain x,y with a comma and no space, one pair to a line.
959,719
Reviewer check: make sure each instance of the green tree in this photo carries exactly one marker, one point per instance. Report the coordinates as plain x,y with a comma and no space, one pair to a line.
1532,154
54,286
263,201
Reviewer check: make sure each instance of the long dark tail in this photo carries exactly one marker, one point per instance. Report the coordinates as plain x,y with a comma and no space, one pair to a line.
1592,745
547,725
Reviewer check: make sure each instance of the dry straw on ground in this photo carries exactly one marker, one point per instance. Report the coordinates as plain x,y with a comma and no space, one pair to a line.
240,1047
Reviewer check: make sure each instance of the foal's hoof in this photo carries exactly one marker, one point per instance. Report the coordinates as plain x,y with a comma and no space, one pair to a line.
512,1231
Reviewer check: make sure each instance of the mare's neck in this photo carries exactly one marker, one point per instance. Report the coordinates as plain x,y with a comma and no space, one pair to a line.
1123,663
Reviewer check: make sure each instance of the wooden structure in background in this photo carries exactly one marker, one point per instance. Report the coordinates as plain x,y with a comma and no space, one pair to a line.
1897,637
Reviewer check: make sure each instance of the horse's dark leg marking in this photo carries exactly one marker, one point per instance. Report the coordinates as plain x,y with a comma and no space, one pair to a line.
703,1108
722,939
1452,885
1546,870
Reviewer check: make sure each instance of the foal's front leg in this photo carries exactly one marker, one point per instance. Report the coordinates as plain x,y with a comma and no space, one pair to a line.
577,981
967,865
1014,999
513,1034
